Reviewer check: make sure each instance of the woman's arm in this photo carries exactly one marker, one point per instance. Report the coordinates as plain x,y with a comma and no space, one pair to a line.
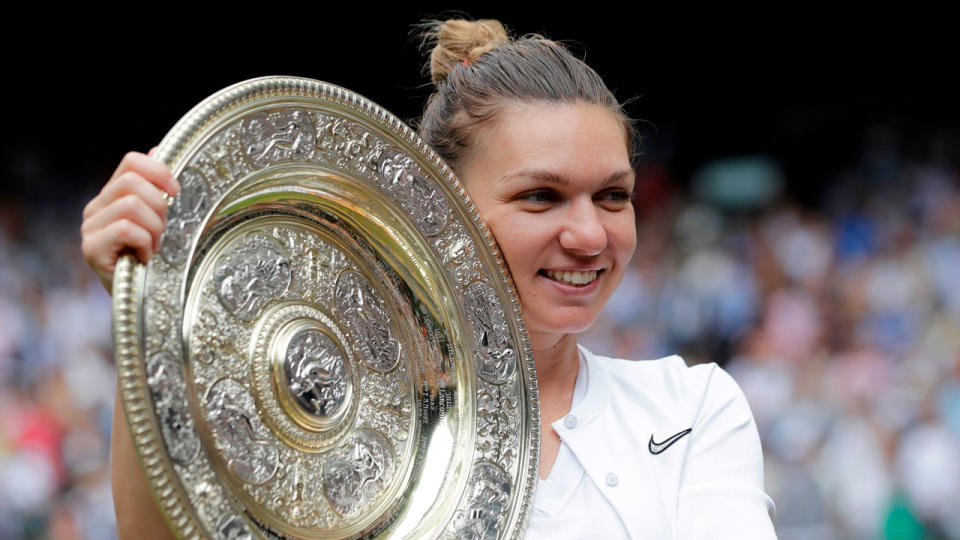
721,490
137,513
128,215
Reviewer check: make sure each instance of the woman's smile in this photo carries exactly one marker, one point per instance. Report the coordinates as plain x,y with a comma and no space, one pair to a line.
576,278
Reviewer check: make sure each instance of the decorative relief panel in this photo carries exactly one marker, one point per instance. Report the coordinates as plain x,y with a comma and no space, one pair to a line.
315,373
495,355
345,144
279,136
498,423
356,473
488,494
364,314
405,180
166,383
241,439
183,217
458,253
212,339
254,272
223,160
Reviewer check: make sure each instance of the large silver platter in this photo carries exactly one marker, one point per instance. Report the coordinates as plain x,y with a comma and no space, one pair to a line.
328,344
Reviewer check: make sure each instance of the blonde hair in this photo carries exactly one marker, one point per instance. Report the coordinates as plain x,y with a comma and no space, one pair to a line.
477,69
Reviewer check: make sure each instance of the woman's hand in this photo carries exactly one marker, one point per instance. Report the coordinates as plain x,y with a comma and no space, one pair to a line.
128,215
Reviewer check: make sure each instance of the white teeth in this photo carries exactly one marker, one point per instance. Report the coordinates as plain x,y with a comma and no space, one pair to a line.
573,278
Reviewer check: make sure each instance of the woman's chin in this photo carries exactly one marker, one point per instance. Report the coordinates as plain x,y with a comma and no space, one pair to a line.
560,325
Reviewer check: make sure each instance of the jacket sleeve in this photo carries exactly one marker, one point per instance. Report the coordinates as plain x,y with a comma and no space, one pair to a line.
721,486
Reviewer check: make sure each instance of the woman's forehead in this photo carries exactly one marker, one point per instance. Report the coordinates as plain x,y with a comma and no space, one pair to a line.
568,146
544,135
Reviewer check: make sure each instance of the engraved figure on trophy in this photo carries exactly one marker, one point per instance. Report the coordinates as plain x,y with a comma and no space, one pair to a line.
316,373
166,383
345,145
400,175
231,527
278,136
367,319
391,406
489,494
357,471
496,353
458,254
255,272
429,206
229,411
498,422
187,210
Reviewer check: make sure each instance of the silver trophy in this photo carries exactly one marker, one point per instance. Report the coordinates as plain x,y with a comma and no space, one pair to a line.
328,344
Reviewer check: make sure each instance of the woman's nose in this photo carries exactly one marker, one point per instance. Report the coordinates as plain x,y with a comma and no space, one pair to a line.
583,232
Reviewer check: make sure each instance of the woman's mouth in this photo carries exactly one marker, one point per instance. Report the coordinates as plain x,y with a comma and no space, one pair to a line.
575,278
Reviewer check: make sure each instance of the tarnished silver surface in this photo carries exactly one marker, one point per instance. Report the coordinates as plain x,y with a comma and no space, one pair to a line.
328,345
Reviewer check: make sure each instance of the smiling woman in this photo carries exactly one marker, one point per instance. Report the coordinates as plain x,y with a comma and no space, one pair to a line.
545,152
629,449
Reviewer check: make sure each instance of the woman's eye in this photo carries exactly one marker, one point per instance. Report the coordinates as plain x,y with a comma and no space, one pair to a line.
615,196
537,196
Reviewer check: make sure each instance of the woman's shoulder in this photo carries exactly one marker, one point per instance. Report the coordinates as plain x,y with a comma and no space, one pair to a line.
714,466
671,383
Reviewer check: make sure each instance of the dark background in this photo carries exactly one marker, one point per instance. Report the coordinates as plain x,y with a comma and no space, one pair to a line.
803,87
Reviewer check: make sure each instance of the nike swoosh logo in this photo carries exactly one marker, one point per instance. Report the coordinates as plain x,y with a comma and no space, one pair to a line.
658,447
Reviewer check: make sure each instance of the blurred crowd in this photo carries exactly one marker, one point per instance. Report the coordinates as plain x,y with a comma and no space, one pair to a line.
839,319
56,378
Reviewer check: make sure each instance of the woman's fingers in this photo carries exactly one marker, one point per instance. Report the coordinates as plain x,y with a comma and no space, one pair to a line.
128,215
128,184
102,247
155,172
120,235
131,208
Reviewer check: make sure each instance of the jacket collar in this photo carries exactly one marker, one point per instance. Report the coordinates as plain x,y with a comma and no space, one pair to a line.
617,466
597,394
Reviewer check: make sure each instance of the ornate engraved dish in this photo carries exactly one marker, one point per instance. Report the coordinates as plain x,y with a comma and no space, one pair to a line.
327,345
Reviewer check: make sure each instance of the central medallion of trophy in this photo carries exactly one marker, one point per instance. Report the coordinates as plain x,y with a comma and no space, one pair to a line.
304,375
314,373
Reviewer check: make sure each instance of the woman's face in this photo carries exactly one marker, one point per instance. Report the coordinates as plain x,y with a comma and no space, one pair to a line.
553,182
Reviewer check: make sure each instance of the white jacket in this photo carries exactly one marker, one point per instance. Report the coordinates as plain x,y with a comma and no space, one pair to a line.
707,484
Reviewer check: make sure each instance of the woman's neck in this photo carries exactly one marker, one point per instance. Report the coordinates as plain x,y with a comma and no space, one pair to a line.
558,361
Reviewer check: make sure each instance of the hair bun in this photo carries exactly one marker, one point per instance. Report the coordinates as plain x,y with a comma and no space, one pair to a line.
458,41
